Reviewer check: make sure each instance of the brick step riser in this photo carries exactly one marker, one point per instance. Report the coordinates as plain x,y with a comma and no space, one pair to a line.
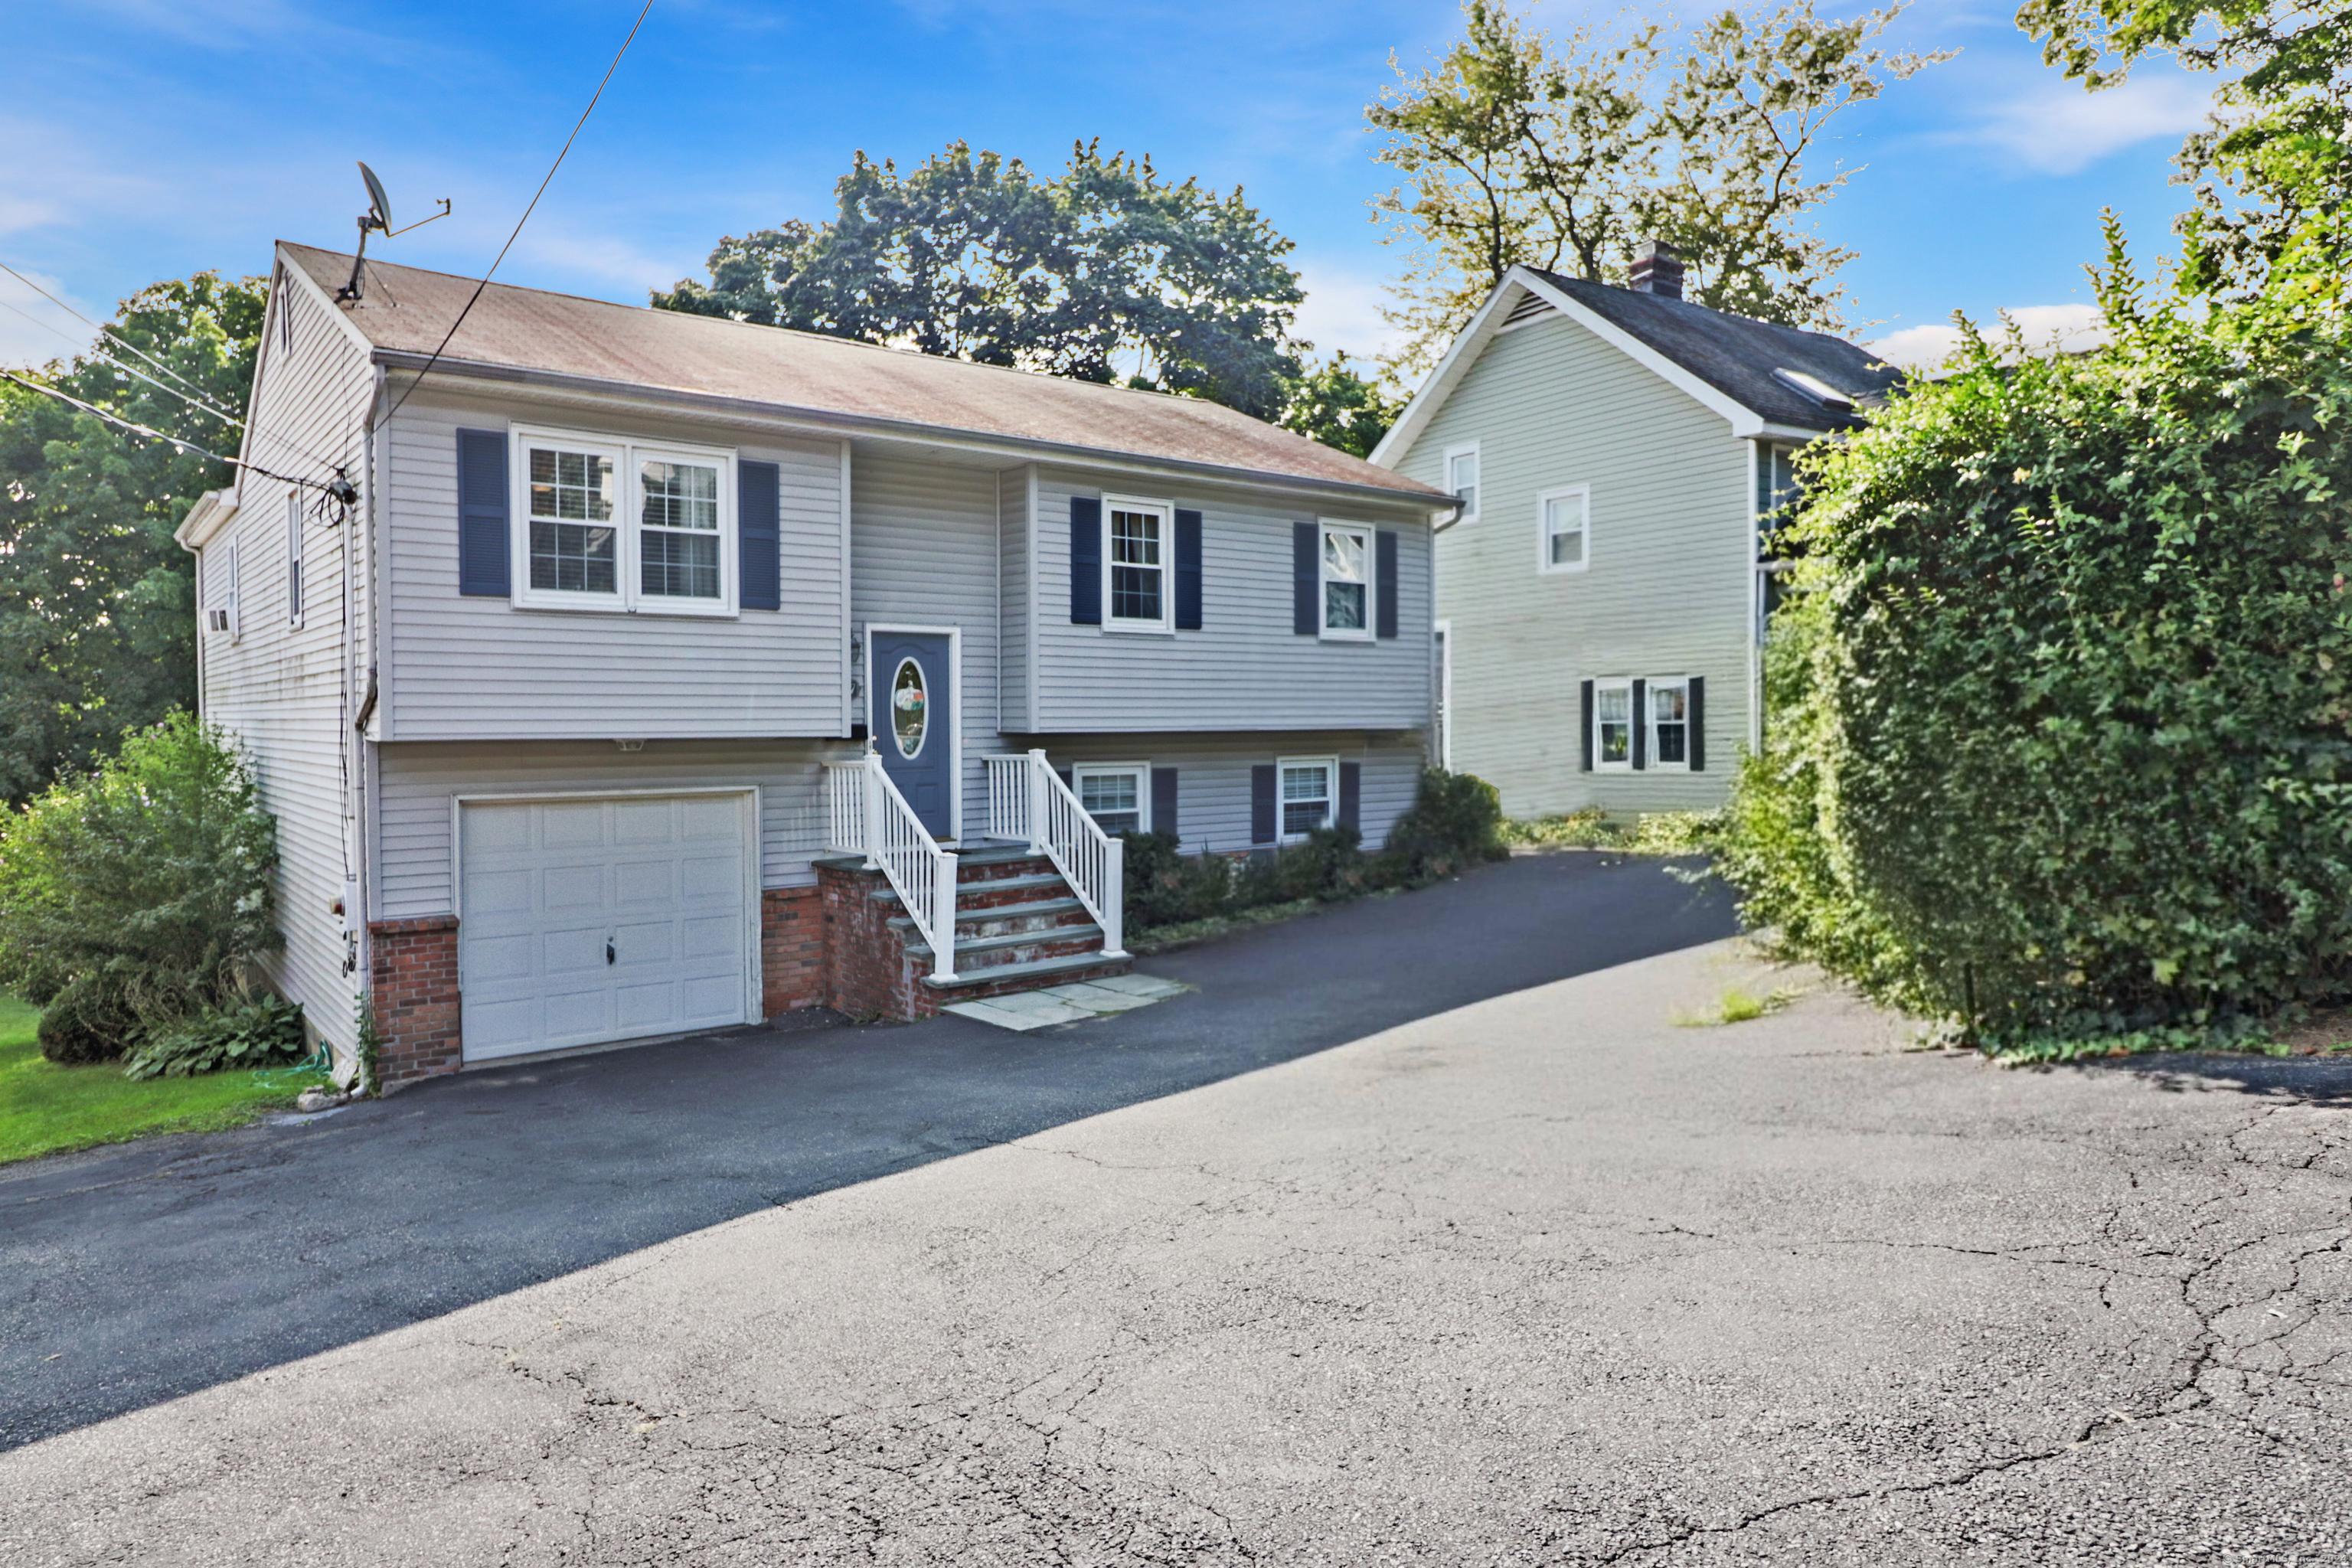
1029,866
997,957
981,991
967,928
973,896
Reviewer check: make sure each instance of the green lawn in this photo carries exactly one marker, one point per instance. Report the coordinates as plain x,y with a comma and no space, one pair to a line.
45,1108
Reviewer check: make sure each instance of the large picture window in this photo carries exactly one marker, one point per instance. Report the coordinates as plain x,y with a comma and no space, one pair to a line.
616,526
1134,564
1346,580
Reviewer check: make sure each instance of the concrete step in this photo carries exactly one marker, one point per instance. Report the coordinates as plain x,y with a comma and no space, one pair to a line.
1002,979
995,890
992,952
991,919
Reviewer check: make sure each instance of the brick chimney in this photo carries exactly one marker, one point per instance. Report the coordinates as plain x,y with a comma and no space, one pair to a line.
1657,269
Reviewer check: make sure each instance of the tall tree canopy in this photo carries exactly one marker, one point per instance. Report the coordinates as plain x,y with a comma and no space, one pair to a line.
1514,152
2273,166
1106,271
97,604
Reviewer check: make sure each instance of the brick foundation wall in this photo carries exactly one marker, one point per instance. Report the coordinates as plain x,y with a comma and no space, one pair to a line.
867,974
414,990
791,950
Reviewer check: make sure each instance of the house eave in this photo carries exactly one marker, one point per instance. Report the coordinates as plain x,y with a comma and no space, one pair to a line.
214,511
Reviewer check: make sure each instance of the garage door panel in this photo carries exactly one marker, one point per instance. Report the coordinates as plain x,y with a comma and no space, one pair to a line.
667,881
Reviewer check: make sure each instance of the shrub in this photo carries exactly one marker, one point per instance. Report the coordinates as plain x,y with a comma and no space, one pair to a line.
263,1032
1456,821
130,900
1165,887
1587,829
2061,708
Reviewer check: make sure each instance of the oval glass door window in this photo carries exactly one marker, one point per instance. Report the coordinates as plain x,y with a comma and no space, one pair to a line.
910,708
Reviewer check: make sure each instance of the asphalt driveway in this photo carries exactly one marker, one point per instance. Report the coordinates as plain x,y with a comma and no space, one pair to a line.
1545,1280
151,1270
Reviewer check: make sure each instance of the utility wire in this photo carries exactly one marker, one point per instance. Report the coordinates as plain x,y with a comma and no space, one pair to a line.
485,283
104,358
340,489
105,328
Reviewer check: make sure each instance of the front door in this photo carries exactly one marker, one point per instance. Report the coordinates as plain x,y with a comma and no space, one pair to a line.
912,695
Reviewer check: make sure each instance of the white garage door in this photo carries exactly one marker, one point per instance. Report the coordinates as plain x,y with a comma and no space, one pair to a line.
586,920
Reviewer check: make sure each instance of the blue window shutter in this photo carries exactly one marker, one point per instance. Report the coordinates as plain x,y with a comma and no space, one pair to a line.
1641,726
1585,699
1187,571
1384,579
482,513
1163,801
1352,794
1305,620
758,509
1086,561
1262,820
1698,715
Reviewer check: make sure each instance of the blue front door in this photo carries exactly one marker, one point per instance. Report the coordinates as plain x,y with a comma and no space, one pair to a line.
912,721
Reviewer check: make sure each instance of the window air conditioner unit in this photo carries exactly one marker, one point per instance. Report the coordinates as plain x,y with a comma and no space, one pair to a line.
216,620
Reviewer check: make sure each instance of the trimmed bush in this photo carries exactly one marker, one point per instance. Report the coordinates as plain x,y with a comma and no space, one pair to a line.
1456,821
130,899
2061,742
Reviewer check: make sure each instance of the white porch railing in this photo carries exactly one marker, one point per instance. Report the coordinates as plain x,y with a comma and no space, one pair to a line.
868,816
1028,803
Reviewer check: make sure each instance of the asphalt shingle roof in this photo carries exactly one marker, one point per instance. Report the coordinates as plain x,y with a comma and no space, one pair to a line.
408,310
1736,355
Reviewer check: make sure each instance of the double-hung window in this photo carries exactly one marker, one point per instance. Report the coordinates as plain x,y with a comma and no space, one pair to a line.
1115,794
1462,479
1669,720
1135,566
607,525
1613,724
294,560
1564,529
1346,580
1309,795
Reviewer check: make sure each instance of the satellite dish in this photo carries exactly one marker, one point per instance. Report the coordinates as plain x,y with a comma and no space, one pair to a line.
377,200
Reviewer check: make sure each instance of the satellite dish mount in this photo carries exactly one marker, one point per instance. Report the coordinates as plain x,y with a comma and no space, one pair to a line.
377,217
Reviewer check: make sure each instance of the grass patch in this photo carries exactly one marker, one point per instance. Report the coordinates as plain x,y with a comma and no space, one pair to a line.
1183,933
46,1108
1737,1006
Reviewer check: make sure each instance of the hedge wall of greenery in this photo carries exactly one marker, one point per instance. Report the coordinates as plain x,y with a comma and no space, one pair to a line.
2061,706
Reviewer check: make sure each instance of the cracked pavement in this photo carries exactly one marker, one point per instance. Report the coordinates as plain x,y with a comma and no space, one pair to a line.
1543,1279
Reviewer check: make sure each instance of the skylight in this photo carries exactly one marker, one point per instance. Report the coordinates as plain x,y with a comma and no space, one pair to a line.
1814,387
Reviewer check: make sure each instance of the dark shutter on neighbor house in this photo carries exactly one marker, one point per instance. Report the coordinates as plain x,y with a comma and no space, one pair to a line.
1303,621
1352,794
1163,801
1384,580
1641,726
758,497
1069,780
1187,571
1698,715
482,513
1584,702
1262,821
1086,561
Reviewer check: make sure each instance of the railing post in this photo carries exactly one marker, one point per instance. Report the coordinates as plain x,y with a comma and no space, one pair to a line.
943,910
1033,789
869,790
1114,898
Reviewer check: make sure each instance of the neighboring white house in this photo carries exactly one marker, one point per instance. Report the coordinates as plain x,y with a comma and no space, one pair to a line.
564,718
1601,598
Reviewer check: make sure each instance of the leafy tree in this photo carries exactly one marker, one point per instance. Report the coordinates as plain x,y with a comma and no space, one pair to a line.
97,604
1514,154
2280,140
1106,271
1332,404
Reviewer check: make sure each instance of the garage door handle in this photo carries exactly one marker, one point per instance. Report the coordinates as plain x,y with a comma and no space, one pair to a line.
608,950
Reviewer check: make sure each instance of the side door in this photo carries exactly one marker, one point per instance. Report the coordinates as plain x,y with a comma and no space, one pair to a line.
911,694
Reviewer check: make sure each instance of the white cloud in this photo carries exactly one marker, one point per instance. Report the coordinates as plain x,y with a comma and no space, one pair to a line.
1342,312
2060,128
2054,329
32,330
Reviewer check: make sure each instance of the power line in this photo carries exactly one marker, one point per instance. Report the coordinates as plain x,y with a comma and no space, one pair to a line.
485,283
104,358
340,489
104,328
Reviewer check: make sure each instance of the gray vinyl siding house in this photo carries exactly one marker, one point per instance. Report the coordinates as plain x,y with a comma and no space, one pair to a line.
1601,595
1113,578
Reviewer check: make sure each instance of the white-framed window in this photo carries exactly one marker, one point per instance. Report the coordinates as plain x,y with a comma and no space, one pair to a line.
1669,719
602,524
1461,477
1308,796
235,605
294,559
1613,724
1346,573
1137,546
1564,529
1118,795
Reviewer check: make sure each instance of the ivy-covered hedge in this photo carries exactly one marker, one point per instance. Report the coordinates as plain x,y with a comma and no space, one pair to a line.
2060,708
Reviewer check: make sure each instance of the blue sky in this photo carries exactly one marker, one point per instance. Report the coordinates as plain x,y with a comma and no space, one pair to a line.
147,138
